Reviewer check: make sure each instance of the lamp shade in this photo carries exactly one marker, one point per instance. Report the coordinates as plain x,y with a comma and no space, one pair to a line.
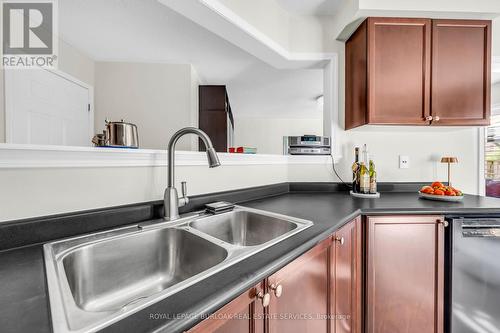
449,159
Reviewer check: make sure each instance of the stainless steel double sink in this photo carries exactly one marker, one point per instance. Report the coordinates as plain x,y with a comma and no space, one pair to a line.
98,279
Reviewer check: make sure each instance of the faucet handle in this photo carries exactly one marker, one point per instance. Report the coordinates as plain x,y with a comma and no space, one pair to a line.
184,189
184,200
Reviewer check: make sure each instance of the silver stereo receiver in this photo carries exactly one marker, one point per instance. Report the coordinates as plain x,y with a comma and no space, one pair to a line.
306,145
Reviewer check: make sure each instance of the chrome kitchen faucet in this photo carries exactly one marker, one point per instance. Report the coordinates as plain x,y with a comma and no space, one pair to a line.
171,200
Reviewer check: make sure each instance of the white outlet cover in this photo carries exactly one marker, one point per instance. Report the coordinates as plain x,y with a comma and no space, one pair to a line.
404,162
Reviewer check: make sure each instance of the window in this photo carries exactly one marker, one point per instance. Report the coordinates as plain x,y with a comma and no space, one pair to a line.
492,158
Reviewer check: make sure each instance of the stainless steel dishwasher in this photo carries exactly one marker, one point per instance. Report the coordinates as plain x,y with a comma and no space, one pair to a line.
473,293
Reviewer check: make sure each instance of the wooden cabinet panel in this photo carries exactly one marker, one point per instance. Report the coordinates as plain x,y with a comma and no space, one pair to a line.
461,72
356,62
398,70
346,263
244,314
304,304
405,274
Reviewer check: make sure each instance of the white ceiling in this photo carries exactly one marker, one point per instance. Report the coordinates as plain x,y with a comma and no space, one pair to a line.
310,7
147,31
267,93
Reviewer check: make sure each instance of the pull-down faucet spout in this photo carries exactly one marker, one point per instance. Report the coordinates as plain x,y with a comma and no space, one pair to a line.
171,200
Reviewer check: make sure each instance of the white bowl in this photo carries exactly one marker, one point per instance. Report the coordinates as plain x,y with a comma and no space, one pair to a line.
447,198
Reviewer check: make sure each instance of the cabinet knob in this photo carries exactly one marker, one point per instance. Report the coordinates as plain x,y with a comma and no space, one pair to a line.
444,223
265,298
340,240
428,118
436,118
278,290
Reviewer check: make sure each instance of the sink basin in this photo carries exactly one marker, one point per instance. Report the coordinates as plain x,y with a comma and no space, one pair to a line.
95,280
244,228
107,276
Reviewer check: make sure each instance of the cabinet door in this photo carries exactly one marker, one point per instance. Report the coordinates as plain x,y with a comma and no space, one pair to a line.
245,314
461,70
399,71
347,279
405,274
303,306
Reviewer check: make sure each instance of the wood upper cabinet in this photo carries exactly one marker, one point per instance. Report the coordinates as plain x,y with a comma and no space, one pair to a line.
245,314
303,287
398,70
461,72
388,72
412,71
404,280
347,279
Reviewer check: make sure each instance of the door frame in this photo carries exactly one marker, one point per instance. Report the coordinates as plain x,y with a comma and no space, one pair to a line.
9,108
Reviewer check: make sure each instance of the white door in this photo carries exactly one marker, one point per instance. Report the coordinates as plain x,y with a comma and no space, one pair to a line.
45,108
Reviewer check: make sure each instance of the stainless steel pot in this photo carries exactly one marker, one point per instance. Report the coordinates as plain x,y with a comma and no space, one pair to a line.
118,134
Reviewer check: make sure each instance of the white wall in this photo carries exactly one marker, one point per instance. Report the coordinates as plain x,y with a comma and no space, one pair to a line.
75,63
194,115
266,134
495,94
36,192
495,48
424,146
158,98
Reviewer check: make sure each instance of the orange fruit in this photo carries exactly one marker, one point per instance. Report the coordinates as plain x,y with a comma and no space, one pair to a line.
437,185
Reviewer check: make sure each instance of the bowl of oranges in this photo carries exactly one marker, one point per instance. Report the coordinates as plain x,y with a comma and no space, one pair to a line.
439,191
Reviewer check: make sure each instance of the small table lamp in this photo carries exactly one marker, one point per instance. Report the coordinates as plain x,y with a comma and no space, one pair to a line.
449,160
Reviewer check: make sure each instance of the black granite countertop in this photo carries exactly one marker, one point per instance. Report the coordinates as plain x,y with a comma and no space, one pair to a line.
24,305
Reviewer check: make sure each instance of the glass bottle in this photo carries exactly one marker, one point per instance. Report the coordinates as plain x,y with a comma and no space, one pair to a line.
364,174
355,171
373,178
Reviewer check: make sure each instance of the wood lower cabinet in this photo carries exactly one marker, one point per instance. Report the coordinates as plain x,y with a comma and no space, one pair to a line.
347,279
404,280
245,314
376,275
300,294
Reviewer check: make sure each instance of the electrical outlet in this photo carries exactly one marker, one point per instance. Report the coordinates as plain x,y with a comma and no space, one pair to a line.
404,162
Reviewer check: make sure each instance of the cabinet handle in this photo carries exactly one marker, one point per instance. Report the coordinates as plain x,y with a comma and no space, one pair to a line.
428,118
278,290
436,118
340,240
444,223
265,298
